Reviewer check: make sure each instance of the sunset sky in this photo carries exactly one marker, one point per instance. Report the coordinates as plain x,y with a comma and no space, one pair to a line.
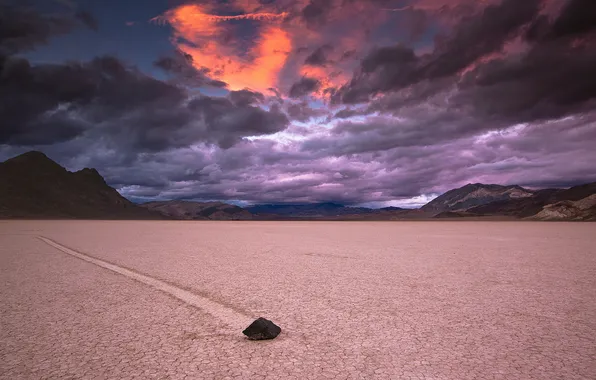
361,102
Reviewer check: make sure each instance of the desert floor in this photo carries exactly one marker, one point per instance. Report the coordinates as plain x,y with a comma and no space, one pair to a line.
355,300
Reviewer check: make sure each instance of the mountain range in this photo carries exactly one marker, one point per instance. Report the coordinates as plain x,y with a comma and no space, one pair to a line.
313,210
33,186
187,210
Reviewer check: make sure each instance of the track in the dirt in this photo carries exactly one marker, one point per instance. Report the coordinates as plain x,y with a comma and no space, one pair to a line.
227,315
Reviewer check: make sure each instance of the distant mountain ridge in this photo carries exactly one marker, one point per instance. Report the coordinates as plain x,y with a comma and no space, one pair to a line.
187,210
34,186
326,209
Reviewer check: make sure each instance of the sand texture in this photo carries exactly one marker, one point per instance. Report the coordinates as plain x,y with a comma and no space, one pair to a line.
355,300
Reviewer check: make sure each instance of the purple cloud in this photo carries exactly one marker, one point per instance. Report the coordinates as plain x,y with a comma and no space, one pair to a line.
504,95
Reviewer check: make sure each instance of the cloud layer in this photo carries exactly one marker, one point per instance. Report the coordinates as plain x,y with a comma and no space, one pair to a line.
360,102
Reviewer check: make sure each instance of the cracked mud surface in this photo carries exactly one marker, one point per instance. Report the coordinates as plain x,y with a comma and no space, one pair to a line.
406,300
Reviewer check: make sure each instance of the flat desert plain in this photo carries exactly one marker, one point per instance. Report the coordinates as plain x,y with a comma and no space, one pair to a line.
355,300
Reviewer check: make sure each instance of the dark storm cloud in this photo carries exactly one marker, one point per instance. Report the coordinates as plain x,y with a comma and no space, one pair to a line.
348,112
551,81
246,97
551,78
393,68
44,104
421,126
228,123
316,12
578,17
478,36
177,64
416,22
88,19
383,70
180,66
23,89
348,54
319,56
107,99
271,173
23,28
505,95
79,93
304,86
303,112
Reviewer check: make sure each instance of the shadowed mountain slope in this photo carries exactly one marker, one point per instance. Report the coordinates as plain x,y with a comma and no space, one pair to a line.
518,207
34,186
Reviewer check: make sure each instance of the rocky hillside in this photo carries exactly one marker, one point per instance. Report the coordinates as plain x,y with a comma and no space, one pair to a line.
187,210
473,195
575,203
34,186
583,209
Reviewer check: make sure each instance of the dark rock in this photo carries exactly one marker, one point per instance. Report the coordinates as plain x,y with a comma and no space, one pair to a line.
262,329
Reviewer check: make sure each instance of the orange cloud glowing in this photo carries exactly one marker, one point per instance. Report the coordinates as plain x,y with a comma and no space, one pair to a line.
328,77
249,44
256,68
206,17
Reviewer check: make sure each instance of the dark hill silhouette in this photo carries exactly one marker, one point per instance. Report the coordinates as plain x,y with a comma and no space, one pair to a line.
34,186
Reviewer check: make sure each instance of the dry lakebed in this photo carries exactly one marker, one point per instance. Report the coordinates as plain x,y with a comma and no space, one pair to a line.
354,300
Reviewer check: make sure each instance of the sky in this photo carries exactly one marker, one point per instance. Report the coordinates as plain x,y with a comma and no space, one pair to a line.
362,102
